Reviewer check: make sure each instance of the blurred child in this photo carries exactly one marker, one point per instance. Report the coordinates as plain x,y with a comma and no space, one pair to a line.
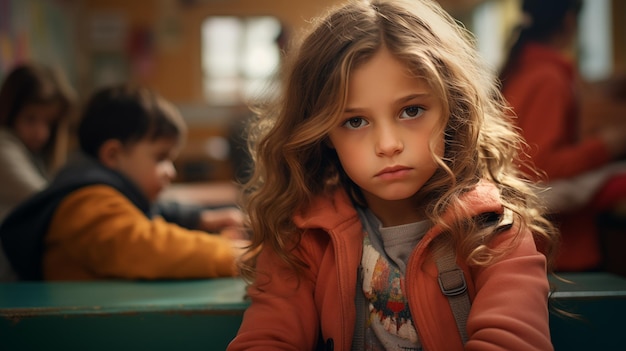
35,103
96,219
35,106
542,84
385,168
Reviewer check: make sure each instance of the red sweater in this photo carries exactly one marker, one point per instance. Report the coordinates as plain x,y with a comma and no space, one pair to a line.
542,92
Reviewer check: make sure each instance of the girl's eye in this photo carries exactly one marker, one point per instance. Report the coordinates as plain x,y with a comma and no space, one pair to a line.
412,112
355,123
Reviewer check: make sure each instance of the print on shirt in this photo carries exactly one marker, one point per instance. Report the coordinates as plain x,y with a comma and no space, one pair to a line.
389,324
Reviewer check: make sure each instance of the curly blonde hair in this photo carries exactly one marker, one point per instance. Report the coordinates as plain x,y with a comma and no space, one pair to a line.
293,163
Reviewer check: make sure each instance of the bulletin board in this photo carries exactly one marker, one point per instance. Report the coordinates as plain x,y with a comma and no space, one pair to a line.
38,30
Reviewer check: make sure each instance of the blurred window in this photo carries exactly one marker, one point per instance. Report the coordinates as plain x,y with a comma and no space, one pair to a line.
595,40
239,58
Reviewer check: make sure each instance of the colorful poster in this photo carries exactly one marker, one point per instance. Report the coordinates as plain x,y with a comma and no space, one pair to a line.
38,30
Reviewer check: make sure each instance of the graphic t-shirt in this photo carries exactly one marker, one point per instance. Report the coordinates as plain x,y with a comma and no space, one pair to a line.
386,250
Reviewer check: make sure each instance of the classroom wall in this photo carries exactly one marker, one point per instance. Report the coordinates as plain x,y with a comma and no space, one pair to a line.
157,43
163,43
174,49
159,40
41,30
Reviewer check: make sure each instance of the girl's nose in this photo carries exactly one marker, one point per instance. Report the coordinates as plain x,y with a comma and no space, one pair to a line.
42,133
388,142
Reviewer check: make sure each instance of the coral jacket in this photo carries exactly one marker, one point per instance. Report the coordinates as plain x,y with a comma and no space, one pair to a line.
542,92
509,310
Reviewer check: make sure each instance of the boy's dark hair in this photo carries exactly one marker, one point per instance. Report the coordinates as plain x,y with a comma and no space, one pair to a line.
128,114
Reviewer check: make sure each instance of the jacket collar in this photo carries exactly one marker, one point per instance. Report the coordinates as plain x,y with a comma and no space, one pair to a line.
330,211
326,211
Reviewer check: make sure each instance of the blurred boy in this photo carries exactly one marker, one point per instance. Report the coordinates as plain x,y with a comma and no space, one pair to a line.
97,220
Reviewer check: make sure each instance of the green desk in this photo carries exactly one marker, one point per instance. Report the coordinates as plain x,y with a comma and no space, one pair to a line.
171,315
599,300
205,314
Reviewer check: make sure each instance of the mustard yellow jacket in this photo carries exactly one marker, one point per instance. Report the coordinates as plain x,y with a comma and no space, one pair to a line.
509,298
97,233
93,222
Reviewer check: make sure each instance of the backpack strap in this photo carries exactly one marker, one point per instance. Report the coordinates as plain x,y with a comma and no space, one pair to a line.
454,287
452,278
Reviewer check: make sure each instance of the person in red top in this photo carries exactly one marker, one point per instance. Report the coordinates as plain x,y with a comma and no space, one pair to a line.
541,83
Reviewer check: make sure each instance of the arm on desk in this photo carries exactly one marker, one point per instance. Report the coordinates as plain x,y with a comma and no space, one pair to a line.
213,194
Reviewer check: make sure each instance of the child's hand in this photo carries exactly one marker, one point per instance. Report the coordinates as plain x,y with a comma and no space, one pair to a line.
217,220
238,233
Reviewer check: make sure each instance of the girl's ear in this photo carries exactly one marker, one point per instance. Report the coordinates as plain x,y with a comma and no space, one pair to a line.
109,153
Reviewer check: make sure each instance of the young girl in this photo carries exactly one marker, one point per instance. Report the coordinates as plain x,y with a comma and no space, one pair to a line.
35,105
389,153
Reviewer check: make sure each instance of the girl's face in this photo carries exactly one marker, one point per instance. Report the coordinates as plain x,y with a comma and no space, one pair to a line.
383,137
34,124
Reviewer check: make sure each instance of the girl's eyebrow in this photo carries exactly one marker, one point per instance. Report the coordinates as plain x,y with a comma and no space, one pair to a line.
413,96
398,101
